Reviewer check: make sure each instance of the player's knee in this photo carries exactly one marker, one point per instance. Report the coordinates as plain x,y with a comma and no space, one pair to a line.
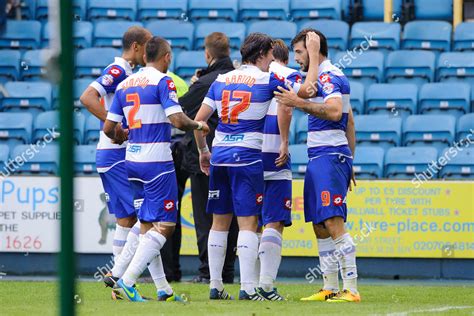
248,223
127,221
335,226
278,226
165,228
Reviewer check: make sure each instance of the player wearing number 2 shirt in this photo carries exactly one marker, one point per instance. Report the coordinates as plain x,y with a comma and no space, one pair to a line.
110,157
242,98
148,102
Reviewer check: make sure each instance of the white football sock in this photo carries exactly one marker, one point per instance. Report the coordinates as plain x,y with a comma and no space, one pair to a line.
328,264
257,262
122,262
158,274
147,250
216,249
269,253
120,238
347,253
247,249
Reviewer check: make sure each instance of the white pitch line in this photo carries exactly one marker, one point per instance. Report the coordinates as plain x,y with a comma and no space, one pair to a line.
432,310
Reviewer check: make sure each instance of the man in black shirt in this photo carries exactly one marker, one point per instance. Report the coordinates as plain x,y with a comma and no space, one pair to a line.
217,53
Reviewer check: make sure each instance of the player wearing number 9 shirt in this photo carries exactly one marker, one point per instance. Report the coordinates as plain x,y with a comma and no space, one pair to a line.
242,98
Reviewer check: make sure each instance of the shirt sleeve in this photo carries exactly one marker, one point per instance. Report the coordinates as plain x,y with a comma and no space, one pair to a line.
168,96
115,113
280,81
330,86
109,80
210,98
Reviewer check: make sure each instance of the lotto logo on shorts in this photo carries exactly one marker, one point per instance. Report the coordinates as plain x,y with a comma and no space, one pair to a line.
288,204
259,199
338,200
169,205
213,195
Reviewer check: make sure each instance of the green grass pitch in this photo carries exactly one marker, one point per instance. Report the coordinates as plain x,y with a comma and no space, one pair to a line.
41,298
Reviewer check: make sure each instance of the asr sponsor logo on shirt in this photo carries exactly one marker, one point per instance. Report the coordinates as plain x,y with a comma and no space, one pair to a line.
134,149
234,138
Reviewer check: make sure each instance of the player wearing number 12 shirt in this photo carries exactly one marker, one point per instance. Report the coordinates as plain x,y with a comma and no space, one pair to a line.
242,98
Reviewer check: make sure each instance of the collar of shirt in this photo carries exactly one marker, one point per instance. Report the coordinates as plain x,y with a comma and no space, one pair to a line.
324,66
124,64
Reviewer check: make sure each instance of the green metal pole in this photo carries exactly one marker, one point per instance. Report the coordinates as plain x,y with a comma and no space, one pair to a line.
66,157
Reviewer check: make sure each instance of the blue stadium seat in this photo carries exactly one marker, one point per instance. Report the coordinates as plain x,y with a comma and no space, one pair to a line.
178,33
464,126
109,33
91,61
446,97
112,9
15,128
429,130
33,97
92,130
80,85
336,32
378,130
9,65
459,166
406,66
456,67
42,9
82,34
292,132
277,29
292,63
392,99
464,36
79,126
301,129
84,160
407,162
4,154
368,162
21,35
161,9
299,160
43,125
264,9
434,10
28,9
357,97
366,68
376,35
234,31
373,10
213,10
430,35
322,9
187,62
33,65
80,9
44,162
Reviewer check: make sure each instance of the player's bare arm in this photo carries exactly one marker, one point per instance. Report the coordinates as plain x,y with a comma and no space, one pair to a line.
284,115
309,87
203,114
330,110
90,98
184,123
351,140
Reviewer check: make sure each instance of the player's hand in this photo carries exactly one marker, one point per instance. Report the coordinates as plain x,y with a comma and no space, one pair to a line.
121,135
353,180
313,43
284,155
205,128
287,97
205,162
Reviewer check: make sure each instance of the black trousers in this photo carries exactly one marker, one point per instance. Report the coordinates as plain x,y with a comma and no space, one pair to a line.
203,223
170,251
